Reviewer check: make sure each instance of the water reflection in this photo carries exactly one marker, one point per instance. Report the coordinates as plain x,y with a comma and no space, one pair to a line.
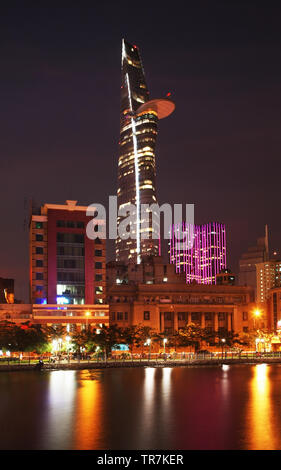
236,407
88,413
261,424
59,410
148,403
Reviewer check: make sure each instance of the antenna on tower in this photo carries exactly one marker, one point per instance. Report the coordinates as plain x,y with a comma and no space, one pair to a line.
266,243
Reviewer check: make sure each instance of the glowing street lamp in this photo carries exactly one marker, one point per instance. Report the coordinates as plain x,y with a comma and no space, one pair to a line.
222,345
164,342
67,339
148,342
55,345
257,314
87,314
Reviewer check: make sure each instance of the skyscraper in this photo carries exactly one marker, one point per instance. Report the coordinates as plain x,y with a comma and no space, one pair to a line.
248,261
201,251
136,166
268,277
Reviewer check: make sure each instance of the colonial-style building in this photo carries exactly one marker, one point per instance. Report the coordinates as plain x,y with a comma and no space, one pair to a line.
170,306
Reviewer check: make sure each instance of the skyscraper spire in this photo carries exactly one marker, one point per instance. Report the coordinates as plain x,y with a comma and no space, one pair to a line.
136,166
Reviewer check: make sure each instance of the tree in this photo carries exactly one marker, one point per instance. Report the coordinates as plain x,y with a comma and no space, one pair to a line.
192,335
55,332
7,336
129,336
144,333
107,338
22,338
82,339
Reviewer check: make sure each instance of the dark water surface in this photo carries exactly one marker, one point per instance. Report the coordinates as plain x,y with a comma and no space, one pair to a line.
229,407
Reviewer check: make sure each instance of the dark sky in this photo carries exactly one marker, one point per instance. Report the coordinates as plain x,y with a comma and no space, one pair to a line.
59,108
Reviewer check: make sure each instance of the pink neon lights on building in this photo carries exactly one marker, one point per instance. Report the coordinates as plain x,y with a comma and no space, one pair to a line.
198,250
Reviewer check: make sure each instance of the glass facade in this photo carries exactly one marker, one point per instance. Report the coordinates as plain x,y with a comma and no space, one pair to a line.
70,268
136,165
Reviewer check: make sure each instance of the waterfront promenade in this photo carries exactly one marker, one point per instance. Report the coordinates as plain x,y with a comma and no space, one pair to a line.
179,361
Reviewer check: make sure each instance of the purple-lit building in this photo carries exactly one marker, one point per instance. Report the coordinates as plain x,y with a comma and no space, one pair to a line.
199,251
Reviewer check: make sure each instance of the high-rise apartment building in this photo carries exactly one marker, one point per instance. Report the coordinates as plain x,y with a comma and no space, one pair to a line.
268,276
66,267
136,166
248,261
199,251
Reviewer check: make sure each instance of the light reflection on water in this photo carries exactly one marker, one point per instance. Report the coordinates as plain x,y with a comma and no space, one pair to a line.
87,421
228,407
261,432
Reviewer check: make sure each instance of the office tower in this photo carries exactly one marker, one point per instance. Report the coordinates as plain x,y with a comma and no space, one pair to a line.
248,261
268,276
201,251
136,166
66,267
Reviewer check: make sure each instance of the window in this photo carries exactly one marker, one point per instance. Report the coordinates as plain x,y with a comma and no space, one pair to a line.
195,316
39,288
182,316
70,237
126,316
70,224
113,316
98,277
99,290
119,315
60,223
221,316
146,315
245,316
245,329
39,263
39,225
98,265
168,316
208,316
98,241
39,250
39,276
80,225
98,252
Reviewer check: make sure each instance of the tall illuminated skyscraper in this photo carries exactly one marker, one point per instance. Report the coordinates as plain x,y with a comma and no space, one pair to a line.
136,165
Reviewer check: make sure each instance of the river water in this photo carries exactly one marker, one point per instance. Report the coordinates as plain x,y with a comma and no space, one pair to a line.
228,407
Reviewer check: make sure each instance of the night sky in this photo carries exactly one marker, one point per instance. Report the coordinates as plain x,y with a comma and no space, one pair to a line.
59,105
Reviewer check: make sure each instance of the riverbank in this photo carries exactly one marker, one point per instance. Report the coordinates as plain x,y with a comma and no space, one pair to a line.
133,364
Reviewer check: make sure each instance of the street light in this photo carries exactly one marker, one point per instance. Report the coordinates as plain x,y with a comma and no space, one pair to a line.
67,339
87,314
222,345
257,314
164,342
148,342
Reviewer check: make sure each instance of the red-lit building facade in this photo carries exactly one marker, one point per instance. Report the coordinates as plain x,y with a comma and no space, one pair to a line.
67,268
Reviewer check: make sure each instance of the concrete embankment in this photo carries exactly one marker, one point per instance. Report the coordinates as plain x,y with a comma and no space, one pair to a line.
159,364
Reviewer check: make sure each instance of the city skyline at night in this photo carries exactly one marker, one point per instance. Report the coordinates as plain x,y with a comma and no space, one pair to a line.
61,118
140,257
